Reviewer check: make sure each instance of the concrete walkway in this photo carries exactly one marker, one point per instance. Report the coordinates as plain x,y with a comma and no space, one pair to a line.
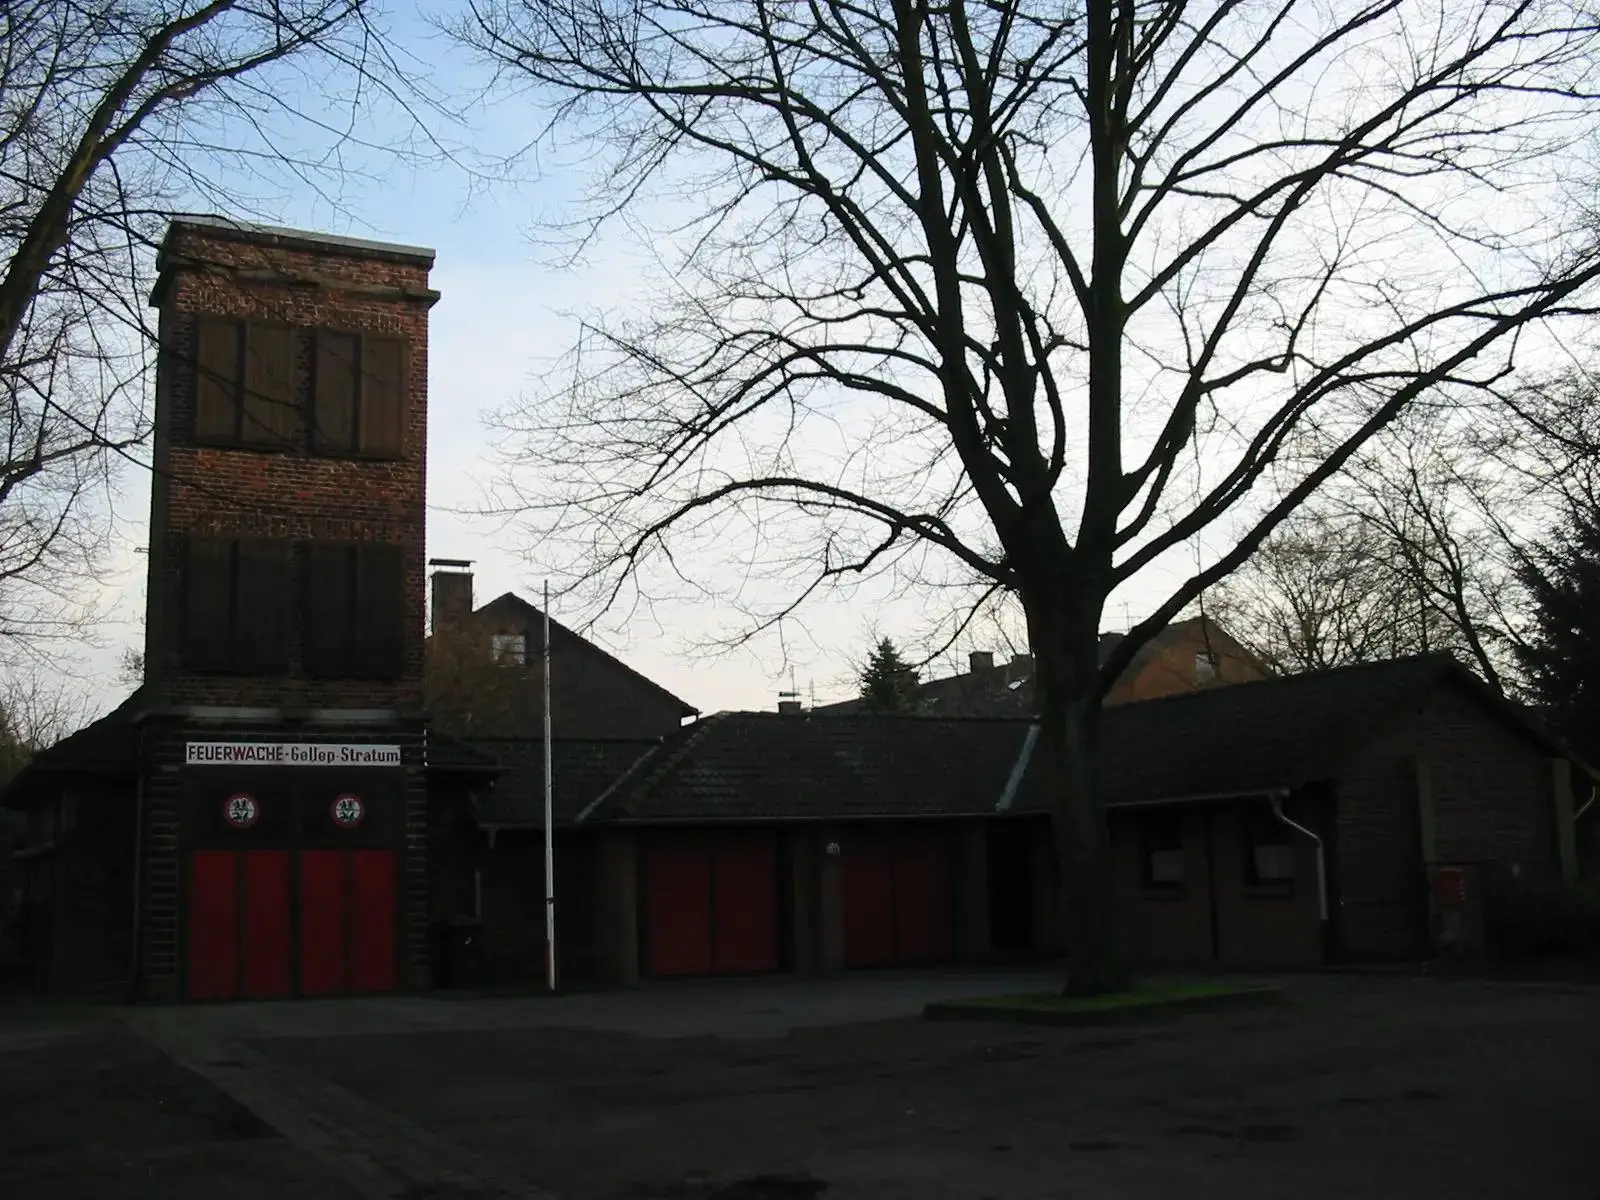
380,1155
385,1157
716,1008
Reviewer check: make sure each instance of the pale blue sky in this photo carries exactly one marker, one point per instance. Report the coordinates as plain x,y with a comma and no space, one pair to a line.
506,313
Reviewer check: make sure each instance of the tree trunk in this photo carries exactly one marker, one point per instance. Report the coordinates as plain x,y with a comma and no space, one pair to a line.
1065,657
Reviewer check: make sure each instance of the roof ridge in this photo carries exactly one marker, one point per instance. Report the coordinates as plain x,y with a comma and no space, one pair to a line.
605,794
1437,658
591,644
697,734
926,718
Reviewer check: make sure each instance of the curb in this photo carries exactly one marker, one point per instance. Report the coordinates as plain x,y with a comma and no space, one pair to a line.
961,1010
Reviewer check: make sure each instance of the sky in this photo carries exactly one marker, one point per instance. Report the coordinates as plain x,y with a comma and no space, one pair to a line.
510,309
507,312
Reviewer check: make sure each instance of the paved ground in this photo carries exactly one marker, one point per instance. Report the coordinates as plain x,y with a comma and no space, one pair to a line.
92,1110
784,1091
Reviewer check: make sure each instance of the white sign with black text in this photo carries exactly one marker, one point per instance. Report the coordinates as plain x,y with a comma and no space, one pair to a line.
289,754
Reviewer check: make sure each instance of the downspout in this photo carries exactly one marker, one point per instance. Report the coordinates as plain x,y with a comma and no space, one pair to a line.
1276,800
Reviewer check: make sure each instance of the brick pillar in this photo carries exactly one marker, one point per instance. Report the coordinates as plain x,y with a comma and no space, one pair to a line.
972,890
830,908
803,853
617,907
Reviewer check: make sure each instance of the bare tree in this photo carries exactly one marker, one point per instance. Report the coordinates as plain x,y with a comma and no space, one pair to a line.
1320,592
1412,548
112,114
1041,292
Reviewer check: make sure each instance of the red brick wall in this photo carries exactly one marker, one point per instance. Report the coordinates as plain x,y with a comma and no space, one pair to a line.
1170,670
1162,925
1256,926
1267,925
290,495
1492,801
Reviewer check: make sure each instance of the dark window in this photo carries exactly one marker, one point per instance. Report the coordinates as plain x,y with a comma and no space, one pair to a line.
1268,848
355,611
510,649
360,395
235,606
245,384
1161,835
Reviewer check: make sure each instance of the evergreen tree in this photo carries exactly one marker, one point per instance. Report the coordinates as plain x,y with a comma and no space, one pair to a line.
1561,655
888,682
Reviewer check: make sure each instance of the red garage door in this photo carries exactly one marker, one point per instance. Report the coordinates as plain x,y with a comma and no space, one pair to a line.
711,904
241,923
896,899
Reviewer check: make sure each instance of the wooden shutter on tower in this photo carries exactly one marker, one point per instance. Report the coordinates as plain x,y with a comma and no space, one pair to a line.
333,412
329,631
269,402
380,610
216,382
383,394
264,576
207,604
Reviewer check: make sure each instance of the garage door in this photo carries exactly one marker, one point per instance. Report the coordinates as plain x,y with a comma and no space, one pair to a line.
896,899
242,927
711,903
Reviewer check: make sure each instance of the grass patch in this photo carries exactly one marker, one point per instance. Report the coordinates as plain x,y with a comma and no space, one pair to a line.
1155,993
1054,1008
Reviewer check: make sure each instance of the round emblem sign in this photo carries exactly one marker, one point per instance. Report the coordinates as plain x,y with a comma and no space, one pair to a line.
348,811
241,810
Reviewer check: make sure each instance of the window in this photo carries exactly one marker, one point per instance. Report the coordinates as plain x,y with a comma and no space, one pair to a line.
234,606
511,649
1205,667
1268,848
245,384
359,395
355,611
1162,835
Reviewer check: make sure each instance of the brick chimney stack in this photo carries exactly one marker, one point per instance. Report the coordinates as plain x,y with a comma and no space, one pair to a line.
980,660
452,591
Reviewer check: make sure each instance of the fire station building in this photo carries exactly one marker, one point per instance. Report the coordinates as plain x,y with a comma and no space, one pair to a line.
251,821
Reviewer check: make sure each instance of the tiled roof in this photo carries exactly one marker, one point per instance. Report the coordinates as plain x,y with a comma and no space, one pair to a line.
110,743
799,766
1275,733
1249,736
581,770
107,746
446,752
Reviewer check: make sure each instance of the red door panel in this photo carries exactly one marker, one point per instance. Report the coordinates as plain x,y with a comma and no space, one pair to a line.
678,909
213,925
922,900
745,884
372,921
322,922
866,903
266,923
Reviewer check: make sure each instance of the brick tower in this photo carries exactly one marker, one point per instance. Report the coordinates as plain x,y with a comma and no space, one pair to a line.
283,802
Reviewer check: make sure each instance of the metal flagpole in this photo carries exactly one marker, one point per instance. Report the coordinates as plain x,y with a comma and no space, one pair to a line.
549,814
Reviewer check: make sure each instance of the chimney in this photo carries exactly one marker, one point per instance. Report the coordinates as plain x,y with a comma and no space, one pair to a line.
452,590
980,660
1021,666
790,706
